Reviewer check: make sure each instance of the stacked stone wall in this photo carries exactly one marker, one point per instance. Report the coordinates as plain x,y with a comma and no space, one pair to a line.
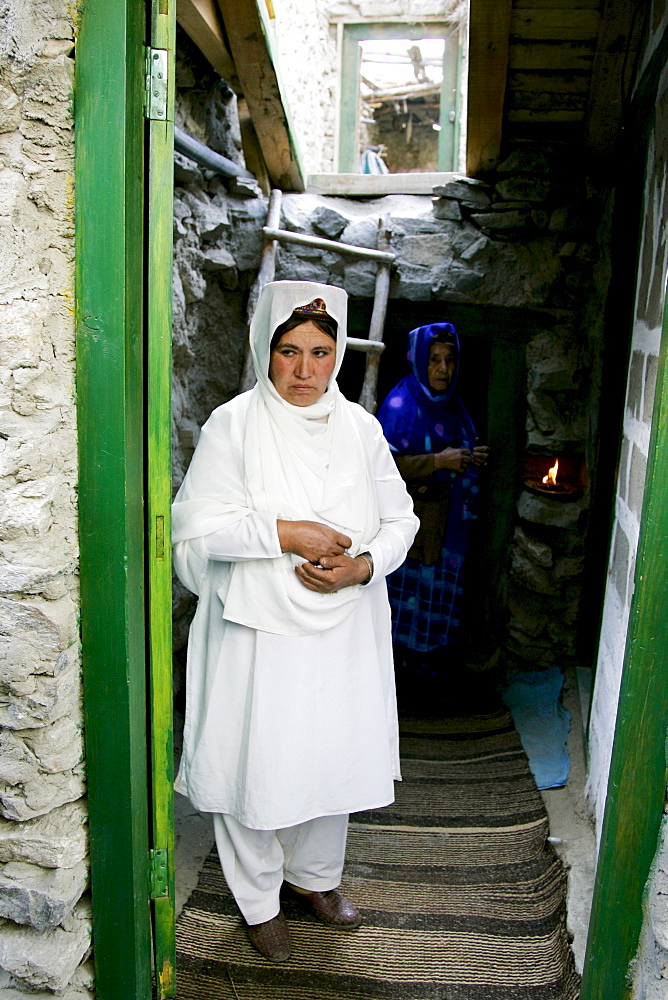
44,913
217,249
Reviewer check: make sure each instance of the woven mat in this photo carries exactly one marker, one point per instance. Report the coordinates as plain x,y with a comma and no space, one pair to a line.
462,896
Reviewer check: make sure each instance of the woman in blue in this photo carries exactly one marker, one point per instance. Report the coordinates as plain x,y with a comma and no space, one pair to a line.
434,443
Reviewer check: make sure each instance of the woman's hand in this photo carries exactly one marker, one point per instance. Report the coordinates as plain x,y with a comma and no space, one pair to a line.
454,459
480,454
311,540
336,573
458,459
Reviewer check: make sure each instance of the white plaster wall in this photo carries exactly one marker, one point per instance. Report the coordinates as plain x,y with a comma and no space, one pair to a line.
305,52
46,931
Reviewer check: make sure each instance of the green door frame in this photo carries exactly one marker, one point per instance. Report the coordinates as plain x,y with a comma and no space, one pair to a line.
636,791
117,437
110,395
637,783
159,496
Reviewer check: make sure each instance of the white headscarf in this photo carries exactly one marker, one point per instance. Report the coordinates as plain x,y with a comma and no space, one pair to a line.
299,463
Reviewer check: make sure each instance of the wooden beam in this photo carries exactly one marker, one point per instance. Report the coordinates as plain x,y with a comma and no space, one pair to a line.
369,394
549,83
199,20
564,57
261,88
264,276
558,115
302,239
375,185
488,65
554,25
542,100
367,346
556,4
613,70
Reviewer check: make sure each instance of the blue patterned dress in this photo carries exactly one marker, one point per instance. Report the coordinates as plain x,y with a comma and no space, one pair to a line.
427,600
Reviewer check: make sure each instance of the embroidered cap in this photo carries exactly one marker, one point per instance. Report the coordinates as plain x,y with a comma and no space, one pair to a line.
315,308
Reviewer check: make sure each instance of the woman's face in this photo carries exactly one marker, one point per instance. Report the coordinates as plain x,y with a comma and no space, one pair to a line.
441,367
302,363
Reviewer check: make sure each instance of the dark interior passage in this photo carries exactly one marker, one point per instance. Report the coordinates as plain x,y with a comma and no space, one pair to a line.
492,385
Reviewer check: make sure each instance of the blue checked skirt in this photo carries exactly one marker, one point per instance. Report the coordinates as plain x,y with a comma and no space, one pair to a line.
426,602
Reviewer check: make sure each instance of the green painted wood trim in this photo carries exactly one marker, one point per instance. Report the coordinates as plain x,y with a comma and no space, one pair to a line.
350,60
449,103
349,83
159,492
459,110
109,272
637,783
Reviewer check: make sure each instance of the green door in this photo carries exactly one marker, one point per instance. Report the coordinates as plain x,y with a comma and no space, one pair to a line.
123,298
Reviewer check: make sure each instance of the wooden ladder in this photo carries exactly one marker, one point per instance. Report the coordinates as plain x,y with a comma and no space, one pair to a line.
374,346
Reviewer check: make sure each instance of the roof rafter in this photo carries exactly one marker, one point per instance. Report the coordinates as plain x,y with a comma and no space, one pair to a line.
488,66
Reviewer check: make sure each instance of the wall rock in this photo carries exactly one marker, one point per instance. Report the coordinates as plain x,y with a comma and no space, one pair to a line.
42,830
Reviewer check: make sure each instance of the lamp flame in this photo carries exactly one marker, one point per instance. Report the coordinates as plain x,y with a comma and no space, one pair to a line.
551,477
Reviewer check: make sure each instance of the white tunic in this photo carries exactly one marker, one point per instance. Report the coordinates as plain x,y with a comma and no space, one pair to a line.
281,729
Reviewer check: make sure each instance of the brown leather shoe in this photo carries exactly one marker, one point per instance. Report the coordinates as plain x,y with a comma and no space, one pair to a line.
332,907
271,938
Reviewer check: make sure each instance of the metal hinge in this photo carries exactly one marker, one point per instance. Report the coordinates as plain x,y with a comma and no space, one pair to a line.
155,86
158,873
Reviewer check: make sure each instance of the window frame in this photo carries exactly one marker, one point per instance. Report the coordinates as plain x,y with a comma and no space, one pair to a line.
351,35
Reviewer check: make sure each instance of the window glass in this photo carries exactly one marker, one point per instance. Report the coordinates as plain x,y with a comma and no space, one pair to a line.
400,104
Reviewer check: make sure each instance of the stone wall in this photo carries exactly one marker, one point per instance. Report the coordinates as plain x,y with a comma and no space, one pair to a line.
217,249
44,914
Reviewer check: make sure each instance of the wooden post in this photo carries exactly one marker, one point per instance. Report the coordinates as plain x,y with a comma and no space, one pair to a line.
264,276
370,385
111,423
158,339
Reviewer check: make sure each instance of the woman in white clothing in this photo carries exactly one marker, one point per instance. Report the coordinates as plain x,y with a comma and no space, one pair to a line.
288,520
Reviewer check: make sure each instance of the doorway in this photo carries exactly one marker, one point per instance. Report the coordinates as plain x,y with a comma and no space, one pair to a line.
492,386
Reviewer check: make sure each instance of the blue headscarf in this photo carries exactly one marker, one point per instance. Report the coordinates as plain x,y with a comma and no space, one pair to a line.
417,421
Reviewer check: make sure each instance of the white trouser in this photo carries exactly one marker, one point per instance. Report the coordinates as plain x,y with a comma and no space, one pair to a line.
255,862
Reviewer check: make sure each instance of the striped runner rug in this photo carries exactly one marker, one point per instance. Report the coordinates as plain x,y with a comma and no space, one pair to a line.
462,895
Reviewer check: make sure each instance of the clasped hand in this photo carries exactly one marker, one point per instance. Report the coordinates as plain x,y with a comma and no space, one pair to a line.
328,568
458,459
